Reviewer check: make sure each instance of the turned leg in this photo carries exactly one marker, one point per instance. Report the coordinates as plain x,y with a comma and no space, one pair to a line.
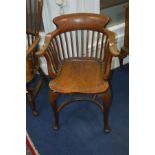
106,107
53,97
31,102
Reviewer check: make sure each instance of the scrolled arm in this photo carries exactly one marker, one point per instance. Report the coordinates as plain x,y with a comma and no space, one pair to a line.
112,43
48,39
42,50
32,47
112,52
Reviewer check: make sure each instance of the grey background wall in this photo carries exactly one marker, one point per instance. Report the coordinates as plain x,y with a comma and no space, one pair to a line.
110,3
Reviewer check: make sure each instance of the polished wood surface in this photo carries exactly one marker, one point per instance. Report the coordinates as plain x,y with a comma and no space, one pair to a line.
79,55
77,76
79,21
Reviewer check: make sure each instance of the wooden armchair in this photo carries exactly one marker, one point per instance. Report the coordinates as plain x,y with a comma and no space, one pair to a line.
79,54
33,19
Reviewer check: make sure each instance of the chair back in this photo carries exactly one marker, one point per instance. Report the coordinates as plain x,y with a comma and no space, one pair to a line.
78,36
33,20
76,21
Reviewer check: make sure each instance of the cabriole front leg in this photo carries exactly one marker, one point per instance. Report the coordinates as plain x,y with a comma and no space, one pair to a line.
106,108
53,97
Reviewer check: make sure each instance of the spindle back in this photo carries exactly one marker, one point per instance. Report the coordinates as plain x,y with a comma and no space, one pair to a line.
78,36
33,20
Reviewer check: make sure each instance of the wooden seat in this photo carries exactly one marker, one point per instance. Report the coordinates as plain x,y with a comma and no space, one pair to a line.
79,55
80,76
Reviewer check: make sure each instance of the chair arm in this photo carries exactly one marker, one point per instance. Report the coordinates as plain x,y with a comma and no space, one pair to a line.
32,47
112,43
43,49
43,52
48,39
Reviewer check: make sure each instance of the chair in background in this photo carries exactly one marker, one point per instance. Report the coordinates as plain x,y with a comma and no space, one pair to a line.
79,55
33,20
125,49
